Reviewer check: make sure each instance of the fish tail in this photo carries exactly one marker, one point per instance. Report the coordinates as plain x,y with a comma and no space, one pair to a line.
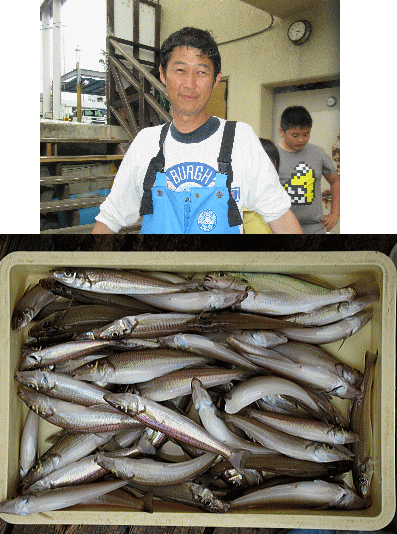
366,287
237,458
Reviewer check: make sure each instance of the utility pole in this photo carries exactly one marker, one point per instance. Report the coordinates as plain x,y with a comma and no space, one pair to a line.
56,67
78,84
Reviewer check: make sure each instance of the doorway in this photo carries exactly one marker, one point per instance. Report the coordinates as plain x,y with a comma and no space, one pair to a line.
217,104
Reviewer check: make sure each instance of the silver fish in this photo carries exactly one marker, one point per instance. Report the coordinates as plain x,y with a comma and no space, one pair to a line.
138,366
304,494
58,353
195,302
313,375
175,425
257,387
178,383
155,472
361,422
305,428
188,493
69,448
211,420
331,313
260,338
28,451
294,446
278,303
206,347
148,325
29,305
55,499
75,417
82,471
308,353
329,333
117,281
123,498
62,387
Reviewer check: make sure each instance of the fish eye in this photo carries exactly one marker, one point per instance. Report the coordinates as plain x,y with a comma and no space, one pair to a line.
115,334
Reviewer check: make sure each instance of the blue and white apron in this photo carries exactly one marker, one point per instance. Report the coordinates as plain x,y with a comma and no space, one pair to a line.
201,210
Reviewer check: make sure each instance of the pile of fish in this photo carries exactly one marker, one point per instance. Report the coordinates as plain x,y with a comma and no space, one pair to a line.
225,371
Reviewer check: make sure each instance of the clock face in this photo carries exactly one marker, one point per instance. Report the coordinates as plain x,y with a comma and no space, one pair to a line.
299,31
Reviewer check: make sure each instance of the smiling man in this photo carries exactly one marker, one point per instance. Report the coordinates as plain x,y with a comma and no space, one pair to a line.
194,175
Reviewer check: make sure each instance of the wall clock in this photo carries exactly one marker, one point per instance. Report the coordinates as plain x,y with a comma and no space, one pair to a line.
299,31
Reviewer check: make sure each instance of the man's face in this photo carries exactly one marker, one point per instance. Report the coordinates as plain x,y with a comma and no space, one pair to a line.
296,138
189,79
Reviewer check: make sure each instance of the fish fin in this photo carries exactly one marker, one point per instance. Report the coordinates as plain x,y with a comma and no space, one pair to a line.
147,503
237,458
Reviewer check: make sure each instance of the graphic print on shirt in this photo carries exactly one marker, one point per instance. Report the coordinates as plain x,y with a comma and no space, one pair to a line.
183,176
300,187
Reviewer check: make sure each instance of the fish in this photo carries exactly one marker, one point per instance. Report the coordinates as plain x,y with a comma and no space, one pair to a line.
58,498
62,387
28,448
178,383
212,421
308,353
196,301
361,422
155,472
275,464
257,387
148,325
29,305
321,335
259,339
331,313
75,417
201,345
302,494
69,322
118,281
189,493
81,296
305,428
68,449
175,425
57,353
315,376
81,471
138,366
123,498
294,446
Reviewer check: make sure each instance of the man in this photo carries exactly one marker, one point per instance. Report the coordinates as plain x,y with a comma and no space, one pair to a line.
301,166
194,177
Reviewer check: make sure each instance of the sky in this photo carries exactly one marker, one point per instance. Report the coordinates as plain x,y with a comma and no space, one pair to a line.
83,26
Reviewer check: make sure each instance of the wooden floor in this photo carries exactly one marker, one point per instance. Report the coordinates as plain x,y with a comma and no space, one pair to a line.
11,243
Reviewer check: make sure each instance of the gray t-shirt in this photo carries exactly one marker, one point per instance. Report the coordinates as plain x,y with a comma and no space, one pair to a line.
300,174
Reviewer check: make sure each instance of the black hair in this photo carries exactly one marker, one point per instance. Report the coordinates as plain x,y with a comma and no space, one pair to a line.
295,116
272,152
193,38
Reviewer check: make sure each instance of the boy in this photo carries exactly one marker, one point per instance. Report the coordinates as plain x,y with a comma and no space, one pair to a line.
301,166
